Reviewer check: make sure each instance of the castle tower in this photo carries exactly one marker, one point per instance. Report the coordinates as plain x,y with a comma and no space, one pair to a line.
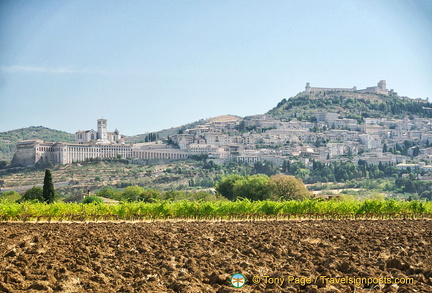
102,129
382,84
307,88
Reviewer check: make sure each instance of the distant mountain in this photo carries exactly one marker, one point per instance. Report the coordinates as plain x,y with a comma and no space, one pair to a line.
355,105
9,139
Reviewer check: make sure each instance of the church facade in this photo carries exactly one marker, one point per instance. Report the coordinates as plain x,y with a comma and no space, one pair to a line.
101,136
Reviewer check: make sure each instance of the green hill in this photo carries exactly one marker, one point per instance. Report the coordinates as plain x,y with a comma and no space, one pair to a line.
9,139
354,105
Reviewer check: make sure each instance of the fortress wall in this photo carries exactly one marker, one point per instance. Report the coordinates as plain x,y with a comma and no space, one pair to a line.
25,155
374,90
380,89
323,89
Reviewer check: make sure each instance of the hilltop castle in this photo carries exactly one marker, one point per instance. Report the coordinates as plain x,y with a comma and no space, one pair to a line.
380,89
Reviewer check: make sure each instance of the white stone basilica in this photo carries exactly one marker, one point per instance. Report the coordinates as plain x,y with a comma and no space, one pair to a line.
102,136
90,144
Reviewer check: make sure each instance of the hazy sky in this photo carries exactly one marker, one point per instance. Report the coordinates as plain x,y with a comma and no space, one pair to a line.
150,65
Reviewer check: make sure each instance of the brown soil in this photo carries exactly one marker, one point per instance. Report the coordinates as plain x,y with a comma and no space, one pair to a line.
202,256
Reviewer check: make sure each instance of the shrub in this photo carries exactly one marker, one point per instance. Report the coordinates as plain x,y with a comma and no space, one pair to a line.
254,187
10,196
92,199
286,187
226,186
33,194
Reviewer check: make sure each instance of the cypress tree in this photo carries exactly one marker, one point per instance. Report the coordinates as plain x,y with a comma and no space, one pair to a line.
48,187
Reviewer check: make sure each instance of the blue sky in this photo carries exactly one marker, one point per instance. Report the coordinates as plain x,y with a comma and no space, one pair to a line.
150,65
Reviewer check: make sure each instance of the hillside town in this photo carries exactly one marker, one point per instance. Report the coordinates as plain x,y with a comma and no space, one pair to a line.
339,139
404,143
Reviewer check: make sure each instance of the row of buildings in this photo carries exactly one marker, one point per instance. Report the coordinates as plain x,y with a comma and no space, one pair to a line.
282,141
251,139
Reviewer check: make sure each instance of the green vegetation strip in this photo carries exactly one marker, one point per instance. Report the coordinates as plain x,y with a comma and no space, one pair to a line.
240,210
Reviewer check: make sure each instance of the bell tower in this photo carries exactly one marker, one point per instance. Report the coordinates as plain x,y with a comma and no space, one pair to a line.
102,132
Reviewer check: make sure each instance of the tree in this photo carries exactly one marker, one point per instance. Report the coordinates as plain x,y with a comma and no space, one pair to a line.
132,193
151,137
33,194
200,157
398,149
285,187
350,153
265,167
225,187
427,195
381,166
48,188
210,165
302,173
109,192
286,166
150,195
3,164
254,187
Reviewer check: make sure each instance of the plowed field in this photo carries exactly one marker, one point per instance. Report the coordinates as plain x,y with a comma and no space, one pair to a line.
182,256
